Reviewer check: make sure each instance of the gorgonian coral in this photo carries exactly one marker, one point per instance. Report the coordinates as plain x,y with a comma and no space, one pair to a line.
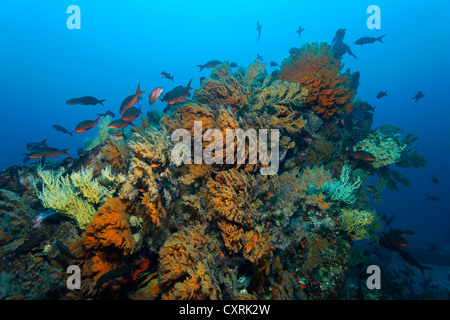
185,262
110,228
316,69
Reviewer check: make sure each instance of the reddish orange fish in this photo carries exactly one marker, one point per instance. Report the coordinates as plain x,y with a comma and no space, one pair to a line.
86,125
45,152
362,155
131,100
177,94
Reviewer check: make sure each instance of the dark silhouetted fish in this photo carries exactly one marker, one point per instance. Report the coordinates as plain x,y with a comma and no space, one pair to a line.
85,101
32,242
299,31
294,51
339,36
201,79
44,152
63,249
275,73
381,94
355,80
36,145
410,259
81,152
156,93
435,180
118,124
61,129
389,221
107,113
86,125
273,64
258,28
362,155
367,107
367,40
234,65
131,114
259,57
418,96
434,198
177,94
393,241
209,65
66,162
129,101
166,75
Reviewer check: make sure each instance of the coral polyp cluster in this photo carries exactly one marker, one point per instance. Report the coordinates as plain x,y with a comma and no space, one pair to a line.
148,217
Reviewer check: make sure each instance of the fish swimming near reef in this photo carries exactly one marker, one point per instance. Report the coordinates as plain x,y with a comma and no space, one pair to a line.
410,260
259,57
392,240
66,162
36,145
273,64
355,80
234,65
367,107
63,249
44,152
166,75
107,113
294,52
86,125
435,180
61,129
41,217
434,198
32,242
131,100
131,114
202,79
177,94
340,48
299,31
156,93
389,221
81,152
362,155
258,28
367,40
88,100
209,65
418,96
339,36
118,124
381,94
275,73
129,273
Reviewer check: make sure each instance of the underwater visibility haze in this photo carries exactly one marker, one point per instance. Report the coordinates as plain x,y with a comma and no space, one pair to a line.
344,164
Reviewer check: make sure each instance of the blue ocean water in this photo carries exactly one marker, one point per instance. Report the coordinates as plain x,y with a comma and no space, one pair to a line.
122,43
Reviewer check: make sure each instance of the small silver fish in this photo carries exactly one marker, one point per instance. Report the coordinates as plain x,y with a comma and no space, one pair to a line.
156,93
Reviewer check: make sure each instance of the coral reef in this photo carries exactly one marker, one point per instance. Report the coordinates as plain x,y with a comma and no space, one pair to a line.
218,229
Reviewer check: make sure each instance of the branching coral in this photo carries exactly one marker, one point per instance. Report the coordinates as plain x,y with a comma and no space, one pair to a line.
386,149
343,190
110,228
359,224
186,259
316,69
62,193
223,88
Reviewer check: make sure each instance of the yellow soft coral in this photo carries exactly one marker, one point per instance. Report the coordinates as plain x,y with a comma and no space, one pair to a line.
359,224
